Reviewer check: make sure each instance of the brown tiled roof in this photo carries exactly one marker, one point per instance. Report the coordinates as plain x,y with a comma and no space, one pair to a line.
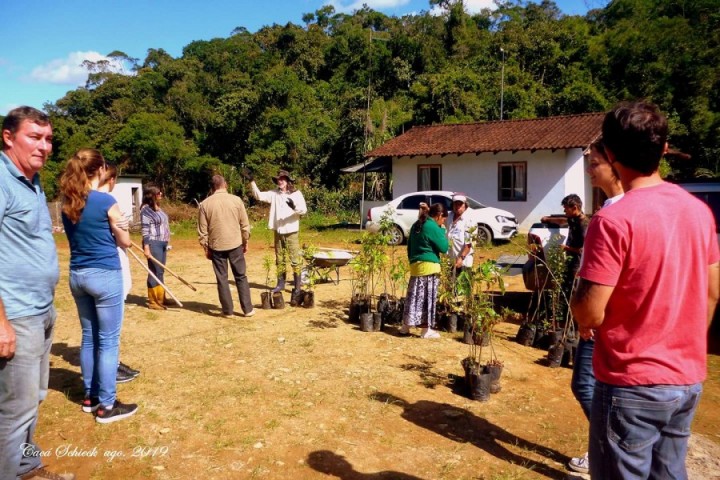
553,133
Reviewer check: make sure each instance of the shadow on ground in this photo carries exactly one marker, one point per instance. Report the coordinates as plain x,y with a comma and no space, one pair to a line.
330,463
462,426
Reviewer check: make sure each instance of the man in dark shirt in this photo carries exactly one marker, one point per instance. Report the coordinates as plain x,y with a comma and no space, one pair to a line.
577,223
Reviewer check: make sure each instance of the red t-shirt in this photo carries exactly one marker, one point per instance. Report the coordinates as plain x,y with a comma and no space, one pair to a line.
654,246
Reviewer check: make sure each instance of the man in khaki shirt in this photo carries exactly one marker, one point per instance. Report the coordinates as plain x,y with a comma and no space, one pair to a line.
224,231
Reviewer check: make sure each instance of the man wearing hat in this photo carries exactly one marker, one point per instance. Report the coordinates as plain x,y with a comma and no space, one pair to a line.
287,205
459,234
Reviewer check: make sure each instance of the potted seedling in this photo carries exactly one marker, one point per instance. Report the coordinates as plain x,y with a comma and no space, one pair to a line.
306,297
449,304
278,301
266,296
367,265
476,286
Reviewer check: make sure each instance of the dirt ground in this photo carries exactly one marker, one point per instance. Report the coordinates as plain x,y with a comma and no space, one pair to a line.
302,394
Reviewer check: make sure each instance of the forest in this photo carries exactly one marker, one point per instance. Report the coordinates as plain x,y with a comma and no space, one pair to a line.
313,98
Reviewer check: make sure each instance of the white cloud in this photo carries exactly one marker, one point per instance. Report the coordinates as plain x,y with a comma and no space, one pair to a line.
474,6
69,70
373,4
471,6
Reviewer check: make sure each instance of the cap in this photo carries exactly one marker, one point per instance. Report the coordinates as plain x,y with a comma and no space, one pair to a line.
459,197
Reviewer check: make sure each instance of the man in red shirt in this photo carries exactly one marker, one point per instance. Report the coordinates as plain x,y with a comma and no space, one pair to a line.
649,283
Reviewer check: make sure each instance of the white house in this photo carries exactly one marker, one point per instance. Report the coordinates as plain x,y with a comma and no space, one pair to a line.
523,166
128,193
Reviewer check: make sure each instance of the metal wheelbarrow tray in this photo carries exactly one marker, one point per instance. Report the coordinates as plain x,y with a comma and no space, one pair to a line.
325,261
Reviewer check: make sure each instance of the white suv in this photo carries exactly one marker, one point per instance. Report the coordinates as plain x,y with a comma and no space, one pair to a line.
493,223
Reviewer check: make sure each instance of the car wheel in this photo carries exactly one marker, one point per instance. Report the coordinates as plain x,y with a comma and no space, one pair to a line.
396,235
484,235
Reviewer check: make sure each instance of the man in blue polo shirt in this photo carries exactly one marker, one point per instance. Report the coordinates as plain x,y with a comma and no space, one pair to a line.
28,275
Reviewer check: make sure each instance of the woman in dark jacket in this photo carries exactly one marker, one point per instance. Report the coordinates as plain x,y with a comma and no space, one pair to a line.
426,242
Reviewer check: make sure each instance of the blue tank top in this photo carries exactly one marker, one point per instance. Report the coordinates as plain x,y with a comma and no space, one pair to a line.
92,244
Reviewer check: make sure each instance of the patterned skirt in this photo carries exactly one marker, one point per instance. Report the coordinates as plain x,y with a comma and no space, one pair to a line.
421,301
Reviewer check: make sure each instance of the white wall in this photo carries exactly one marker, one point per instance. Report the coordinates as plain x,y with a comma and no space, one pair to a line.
128,193
550,177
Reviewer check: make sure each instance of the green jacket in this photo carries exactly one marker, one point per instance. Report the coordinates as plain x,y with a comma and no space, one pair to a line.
427,244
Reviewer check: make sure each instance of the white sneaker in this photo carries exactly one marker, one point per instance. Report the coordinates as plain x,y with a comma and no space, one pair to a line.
580,464
250,313
429,333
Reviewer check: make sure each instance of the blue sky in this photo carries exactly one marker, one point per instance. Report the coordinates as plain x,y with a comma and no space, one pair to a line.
45,41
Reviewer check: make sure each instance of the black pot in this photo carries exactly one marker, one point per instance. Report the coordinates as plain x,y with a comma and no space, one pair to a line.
480,386
308,299
555,355
542,339
278,302
354,312
382,302
452,323
366,322
482,339
296,298
377,321
266,300
495,372
526,334
555,336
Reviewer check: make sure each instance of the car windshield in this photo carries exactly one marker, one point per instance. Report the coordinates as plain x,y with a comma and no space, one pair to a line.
472,203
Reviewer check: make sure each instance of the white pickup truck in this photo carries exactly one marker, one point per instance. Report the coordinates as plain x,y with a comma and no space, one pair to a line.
542,236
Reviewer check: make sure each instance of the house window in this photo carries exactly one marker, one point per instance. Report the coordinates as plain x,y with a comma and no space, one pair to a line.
429,177
512,182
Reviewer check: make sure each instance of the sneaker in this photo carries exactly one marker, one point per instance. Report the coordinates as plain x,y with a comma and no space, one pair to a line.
89,405
228,315
43,474
429,333
125,369
404,330
580,464
123,377
250,313
117,412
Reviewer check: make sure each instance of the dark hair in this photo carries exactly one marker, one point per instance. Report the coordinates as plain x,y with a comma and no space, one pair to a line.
150,194
599,146
636,133
75,181
16,116
111,173
572,200
428,212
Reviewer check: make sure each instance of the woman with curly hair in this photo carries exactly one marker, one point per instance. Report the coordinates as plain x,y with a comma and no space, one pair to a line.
95,228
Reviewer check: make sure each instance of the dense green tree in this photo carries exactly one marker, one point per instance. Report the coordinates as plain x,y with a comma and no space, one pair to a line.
315,97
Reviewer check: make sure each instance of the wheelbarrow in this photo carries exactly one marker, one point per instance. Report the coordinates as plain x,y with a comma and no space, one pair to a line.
324,262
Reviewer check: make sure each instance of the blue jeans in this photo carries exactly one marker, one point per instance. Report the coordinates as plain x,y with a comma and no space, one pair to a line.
98,294
23,385
158,249
583,378
641,431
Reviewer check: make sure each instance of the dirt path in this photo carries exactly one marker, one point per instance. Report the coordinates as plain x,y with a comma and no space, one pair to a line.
302,394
